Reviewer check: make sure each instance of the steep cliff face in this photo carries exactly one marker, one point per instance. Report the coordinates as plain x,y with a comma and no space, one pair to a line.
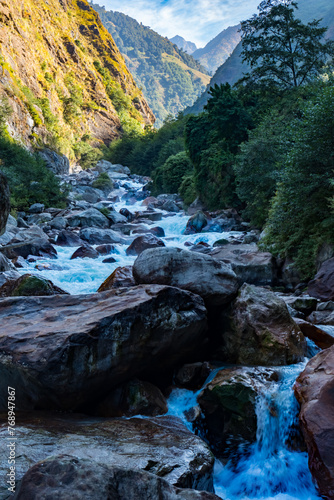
63,76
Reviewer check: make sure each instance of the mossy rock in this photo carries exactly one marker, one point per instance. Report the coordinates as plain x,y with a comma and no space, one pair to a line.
30,286
220,243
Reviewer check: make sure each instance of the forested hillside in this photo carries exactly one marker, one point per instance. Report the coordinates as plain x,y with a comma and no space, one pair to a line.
232,70
170,78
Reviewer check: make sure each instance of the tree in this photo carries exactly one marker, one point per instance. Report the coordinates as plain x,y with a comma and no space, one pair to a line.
301,220
280,49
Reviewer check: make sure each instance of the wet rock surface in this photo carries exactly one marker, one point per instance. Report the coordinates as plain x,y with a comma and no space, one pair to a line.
314,390
228,405
65,477
68,351
200,274
161,446
258,330
121,277
30,286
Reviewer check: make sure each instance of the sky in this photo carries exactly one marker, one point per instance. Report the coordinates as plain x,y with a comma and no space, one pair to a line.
196,20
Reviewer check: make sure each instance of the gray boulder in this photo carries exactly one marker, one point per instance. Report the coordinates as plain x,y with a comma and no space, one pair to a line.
214,281
88,218
65,352
65,477
95,236
36,208
249,264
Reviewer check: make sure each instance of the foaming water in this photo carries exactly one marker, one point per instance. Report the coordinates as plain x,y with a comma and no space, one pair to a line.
271,470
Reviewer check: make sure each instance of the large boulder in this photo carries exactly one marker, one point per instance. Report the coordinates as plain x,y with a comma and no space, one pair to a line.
70,351
143,243
85,252
88,218
95,236
258,330
4,203
5,264
228,404
314,390
322,287
161,446
30,286
68,239
65,477
249,264
198,273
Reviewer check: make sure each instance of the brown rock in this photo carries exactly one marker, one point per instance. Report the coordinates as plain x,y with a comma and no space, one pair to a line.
105,249
258,330
121,277
143,243
319,336
70,351
322,287
85,251
314,390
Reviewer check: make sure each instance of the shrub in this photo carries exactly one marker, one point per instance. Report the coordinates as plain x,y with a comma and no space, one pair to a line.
103,182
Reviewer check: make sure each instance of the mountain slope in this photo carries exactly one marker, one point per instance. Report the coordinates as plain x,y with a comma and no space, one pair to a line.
233,69
215,53
63,76
170,78
183,44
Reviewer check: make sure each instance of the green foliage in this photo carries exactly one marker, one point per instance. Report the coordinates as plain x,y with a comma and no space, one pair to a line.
300,219
187,189
257,166
103,182
86,155
170,78
145,153
280,49
168,178
5,112
73,103
28,178
212,140
104,211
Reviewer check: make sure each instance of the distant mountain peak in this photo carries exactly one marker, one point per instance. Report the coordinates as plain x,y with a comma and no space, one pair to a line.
183,44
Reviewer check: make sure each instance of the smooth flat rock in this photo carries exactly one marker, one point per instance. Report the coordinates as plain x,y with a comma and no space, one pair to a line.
162,446
314,390
65,352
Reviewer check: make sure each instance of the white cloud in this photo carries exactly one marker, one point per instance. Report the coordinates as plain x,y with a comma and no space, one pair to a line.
196,20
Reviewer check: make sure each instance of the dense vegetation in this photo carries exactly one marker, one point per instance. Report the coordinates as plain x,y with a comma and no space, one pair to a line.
28,178
265,147
170,78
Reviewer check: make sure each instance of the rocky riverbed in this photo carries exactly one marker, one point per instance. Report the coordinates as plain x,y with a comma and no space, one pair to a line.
154,350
